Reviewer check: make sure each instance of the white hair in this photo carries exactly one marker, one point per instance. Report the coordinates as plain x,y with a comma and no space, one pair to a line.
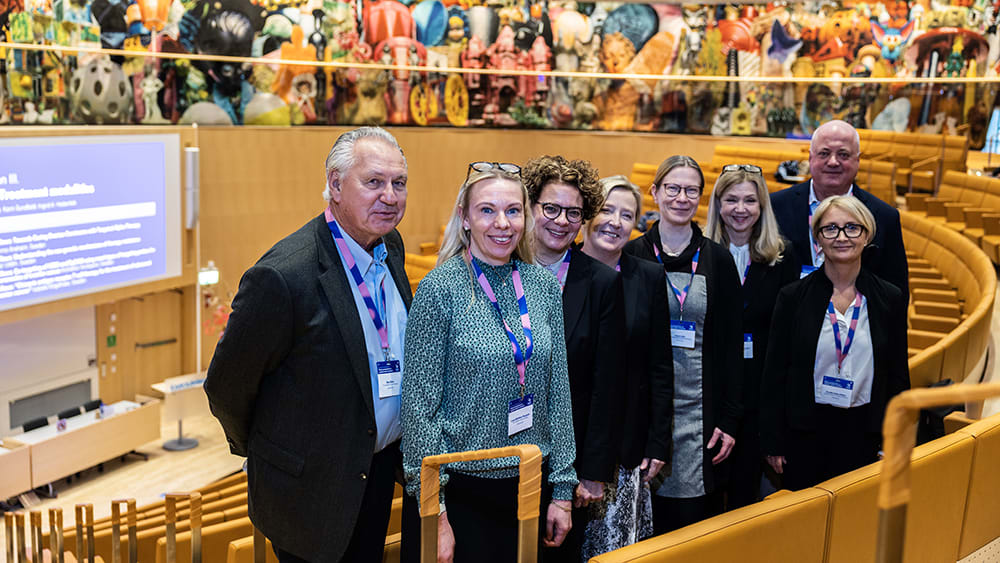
341,157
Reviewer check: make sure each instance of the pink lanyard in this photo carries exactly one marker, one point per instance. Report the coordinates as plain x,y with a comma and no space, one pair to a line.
815,244
520,359
681,294
359,280
564,269
746,272
842,350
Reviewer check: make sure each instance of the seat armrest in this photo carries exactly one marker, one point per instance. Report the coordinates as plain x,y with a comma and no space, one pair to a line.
428,248
936,206
954,211
916,202
991,224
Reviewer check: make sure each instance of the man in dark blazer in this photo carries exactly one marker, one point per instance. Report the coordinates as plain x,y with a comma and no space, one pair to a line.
834,155
302,378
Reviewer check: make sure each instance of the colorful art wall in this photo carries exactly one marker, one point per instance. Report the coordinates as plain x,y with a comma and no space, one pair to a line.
563,65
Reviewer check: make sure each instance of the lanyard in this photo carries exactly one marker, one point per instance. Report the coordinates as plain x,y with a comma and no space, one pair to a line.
564,269
521,359
746,272
680,293
842,350
815,244
359,280
618,266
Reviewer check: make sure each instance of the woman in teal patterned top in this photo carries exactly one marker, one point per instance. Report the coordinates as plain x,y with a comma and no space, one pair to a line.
461,376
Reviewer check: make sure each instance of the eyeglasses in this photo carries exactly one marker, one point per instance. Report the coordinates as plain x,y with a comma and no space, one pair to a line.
673,190
749,168
483,166
842,155
850,230
553,211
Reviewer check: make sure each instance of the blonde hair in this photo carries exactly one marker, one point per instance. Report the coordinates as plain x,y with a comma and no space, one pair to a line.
766,244
612,183
849,204
456,238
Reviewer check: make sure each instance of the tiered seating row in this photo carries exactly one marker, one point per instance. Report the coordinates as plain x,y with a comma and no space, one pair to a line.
920,159
966,204
952,513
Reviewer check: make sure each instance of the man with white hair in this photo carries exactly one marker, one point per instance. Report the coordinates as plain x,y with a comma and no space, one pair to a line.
834,156
306,377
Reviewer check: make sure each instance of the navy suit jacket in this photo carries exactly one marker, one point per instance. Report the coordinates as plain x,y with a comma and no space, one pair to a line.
884,257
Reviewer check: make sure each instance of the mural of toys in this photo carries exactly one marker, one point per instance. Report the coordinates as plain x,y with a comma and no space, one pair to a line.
547,64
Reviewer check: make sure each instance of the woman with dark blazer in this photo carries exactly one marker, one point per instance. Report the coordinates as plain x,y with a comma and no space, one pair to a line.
740,218
837,354
707,344
563,195
625,515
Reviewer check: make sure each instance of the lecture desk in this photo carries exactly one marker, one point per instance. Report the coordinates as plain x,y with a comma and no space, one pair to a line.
89,440
15,466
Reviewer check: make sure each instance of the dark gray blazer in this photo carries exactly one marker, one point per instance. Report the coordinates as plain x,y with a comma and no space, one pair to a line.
290,384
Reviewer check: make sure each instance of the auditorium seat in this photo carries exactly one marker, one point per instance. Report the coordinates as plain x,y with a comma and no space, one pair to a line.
939,473
215,540
789,527
241,551
982,511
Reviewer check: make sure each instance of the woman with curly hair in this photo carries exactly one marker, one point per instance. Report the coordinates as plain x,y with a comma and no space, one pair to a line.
564,194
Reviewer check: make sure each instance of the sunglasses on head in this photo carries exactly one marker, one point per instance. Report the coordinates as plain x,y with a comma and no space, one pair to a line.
484,166
749,168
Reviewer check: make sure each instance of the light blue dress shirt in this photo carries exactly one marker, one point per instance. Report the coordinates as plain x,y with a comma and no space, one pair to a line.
375,271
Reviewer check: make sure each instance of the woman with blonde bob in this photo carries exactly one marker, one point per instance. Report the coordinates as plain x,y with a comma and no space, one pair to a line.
837,354
625,515
486,368
740,218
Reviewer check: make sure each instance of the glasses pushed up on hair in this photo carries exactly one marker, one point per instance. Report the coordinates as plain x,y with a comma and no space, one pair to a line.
748,168
553,211
484,166
850,230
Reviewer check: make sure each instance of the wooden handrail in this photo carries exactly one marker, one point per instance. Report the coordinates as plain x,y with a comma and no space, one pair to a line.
529,490
899,433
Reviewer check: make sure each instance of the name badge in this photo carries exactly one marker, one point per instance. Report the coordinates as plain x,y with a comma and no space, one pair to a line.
836,391
390,378
520,413
747,346
682,333
806,270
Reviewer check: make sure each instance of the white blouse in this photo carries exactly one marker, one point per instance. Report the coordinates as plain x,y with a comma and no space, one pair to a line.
741,255
852,387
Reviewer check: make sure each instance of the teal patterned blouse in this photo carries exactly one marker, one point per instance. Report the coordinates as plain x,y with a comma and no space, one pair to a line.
459,374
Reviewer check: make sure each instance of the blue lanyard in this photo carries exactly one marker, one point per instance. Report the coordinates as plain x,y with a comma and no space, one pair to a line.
842,350
359,280
520,359
681,294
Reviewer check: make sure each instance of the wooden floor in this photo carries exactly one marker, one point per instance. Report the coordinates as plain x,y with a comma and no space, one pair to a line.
146,481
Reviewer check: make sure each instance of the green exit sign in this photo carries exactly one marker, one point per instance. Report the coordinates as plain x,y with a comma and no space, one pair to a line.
112,340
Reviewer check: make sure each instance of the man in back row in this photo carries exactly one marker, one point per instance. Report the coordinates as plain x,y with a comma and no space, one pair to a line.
834,156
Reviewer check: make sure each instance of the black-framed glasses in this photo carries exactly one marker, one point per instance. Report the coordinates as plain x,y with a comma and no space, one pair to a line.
749,168
553,211
484,166
674,190
850,230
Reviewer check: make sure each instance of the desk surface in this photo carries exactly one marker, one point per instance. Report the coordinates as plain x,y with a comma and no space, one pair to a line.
79,421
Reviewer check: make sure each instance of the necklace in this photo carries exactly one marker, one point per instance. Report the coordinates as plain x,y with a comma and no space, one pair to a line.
671,250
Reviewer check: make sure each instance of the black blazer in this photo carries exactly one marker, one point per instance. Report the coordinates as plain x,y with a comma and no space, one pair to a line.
290,384
595,322
722,365
759,293
788,391
884,257
649,390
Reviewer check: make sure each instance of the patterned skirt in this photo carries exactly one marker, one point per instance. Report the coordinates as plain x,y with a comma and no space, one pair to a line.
623,517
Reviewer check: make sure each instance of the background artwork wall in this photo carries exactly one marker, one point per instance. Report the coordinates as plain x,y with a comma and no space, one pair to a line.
818,58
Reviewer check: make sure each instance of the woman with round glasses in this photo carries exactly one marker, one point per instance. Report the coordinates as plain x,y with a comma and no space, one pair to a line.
625,515
705,322
563,194
485,368
837,354
740,218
